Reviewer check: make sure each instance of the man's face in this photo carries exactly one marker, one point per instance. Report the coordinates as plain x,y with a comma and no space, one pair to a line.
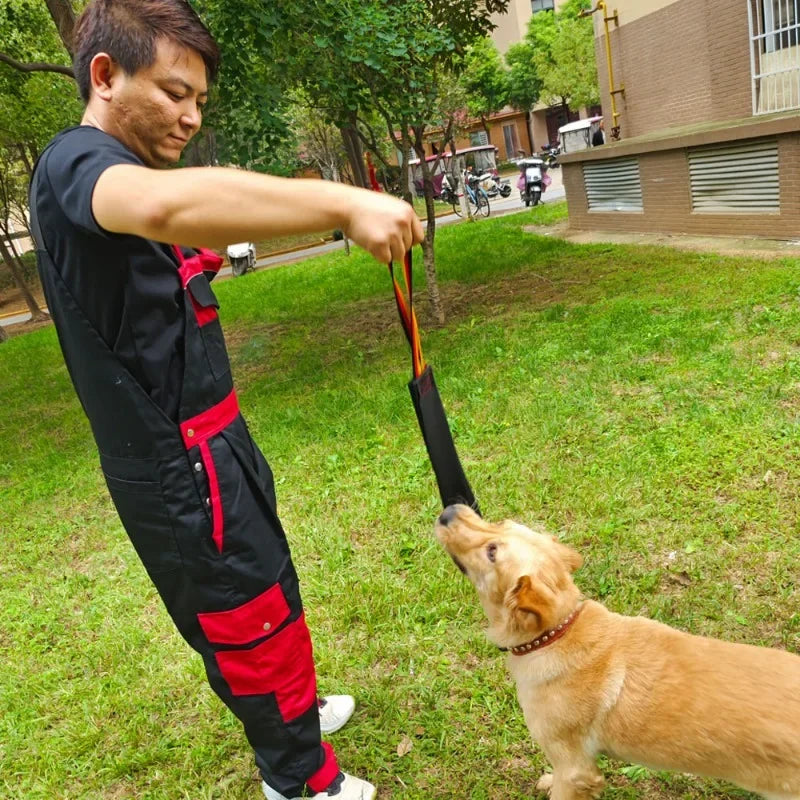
157,110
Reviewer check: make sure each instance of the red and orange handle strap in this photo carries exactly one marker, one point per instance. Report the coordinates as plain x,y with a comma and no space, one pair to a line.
407,316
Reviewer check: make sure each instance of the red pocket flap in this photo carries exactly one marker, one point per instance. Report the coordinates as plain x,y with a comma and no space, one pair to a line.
283,665
256,618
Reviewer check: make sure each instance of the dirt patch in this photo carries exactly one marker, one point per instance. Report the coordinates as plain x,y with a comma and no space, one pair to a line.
750,247
12,301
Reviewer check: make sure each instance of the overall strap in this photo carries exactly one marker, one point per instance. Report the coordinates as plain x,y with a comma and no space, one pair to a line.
203,261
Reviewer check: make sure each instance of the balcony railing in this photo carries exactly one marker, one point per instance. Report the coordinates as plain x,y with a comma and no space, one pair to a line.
774,54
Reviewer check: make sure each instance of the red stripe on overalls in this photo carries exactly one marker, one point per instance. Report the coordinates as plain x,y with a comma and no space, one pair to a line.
323,777
197,431
204,261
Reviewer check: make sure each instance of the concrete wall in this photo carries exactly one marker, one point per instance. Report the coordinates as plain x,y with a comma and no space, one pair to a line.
511,26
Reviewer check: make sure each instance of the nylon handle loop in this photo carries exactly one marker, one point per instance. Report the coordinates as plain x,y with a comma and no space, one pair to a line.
407,316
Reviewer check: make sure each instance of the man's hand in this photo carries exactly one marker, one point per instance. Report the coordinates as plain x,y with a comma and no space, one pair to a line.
384,226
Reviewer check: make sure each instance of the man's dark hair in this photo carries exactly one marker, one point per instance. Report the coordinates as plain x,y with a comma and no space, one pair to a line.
128,31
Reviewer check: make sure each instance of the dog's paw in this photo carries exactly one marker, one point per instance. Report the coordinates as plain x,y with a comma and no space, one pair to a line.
545,783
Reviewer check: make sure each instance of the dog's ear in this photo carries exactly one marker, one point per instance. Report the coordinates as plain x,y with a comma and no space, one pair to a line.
571,559
535,599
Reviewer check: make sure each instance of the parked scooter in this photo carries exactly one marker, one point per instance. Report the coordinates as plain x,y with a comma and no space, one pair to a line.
550,153
447,194
242,257
493,185
533,180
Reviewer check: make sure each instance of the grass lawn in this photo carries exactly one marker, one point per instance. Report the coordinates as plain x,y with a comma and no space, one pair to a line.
641,402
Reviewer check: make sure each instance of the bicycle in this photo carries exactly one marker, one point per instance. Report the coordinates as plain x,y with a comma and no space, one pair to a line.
476,197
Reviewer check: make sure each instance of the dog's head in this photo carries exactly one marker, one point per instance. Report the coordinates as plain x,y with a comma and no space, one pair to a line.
523,578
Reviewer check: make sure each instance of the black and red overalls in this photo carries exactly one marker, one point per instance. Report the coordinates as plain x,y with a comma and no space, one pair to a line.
192,489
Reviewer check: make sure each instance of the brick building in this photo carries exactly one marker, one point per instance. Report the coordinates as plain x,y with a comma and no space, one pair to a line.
707,95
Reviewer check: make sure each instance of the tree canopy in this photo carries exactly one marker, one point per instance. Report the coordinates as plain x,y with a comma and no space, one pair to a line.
555,63
485,80
351,58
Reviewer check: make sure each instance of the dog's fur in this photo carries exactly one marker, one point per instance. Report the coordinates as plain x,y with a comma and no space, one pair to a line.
628,687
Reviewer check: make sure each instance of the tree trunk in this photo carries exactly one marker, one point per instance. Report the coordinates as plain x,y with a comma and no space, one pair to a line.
485,123
529,128
202,149
3,334
37,315
64,18
23,154
458,185
355,155
428,255
405,174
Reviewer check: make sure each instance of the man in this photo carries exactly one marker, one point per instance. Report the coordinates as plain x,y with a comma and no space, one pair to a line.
137,321
599,136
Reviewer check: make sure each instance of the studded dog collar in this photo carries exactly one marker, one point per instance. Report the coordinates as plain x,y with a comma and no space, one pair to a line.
546,638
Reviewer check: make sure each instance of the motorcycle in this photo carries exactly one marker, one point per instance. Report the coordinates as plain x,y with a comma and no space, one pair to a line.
533,180
242,257
493,185
446,194
550,153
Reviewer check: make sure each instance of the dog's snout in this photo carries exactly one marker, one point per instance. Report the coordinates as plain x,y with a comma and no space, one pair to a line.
447,516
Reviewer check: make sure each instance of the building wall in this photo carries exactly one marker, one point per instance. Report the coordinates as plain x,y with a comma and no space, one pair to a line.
685,61
630,10
667,200
497,136
513,25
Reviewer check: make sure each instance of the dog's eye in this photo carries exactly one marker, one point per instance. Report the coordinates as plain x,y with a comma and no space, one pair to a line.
491,552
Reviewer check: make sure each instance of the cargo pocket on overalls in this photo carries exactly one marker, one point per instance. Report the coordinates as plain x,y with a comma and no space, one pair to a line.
205,306
282,664
142,511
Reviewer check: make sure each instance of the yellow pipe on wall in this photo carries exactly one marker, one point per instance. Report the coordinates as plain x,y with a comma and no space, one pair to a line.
601,6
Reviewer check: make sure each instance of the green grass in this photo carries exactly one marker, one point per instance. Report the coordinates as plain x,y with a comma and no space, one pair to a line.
643,403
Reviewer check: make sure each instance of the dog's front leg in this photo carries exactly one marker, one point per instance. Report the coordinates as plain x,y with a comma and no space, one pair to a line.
574,777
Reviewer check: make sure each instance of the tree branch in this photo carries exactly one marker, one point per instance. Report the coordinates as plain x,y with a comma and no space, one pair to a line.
371,142
37,66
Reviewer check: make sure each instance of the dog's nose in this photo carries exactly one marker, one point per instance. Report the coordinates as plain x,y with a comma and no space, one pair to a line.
447,516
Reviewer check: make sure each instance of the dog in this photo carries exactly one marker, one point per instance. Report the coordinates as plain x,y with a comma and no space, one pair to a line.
593,682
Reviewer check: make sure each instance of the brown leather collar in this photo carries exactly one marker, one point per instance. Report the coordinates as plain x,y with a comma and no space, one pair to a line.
546,638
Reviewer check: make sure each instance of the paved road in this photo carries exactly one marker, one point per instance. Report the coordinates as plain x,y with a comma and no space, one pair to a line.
498,207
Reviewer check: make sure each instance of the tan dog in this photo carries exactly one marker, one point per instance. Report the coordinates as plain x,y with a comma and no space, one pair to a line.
590,681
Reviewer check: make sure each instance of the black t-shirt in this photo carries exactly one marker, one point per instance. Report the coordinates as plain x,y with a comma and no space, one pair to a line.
128,287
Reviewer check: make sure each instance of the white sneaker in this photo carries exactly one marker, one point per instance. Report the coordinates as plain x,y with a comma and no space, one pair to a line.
344,787
334,711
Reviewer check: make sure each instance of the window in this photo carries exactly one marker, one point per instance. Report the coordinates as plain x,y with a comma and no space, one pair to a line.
477,138
774,54
542,5
511,141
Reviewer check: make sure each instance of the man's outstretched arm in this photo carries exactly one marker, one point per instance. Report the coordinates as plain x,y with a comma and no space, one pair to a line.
214,206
